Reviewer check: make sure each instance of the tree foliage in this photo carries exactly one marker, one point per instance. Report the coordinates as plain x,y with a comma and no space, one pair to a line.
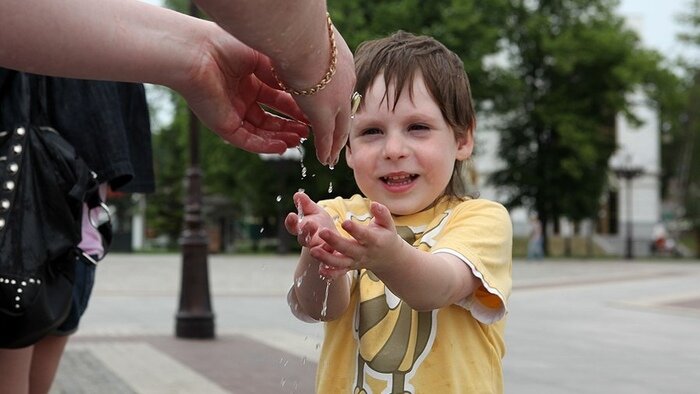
688,140
164,211
472,29
575,65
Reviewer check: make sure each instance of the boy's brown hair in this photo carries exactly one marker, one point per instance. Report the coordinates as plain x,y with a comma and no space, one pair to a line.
398,58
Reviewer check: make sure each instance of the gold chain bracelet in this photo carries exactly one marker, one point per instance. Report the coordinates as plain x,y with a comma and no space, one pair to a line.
326,78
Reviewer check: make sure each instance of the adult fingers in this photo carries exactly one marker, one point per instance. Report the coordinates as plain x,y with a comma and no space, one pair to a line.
281,102
340,135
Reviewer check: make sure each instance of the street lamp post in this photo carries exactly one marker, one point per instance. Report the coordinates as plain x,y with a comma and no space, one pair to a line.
194,318
628,173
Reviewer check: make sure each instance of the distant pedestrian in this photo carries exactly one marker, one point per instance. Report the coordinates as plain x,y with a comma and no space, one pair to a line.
659,236
535,242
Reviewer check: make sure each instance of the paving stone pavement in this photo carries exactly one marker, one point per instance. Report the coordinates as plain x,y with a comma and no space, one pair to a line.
574,326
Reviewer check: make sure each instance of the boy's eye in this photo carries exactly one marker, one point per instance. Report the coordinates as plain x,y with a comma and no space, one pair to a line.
417,126
370,131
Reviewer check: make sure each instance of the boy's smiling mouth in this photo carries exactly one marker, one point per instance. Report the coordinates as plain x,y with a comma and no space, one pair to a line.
398,179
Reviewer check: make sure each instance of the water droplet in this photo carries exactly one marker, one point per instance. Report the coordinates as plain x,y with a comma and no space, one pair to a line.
262,229
283,382
301,160
332,167
303,361
330,187
300,213
324,309
279,198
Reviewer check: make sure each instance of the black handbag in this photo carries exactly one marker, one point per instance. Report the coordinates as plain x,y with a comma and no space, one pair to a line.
43,184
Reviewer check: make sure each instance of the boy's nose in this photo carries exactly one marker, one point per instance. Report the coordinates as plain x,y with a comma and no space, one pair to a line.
395,147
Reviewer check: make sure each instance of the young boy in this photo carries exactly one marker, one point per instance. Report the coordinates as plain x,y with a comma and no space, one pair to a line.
414,276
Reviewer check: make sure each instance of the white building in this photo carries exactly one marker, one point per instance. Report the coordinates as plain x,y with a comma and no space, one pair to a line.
638,199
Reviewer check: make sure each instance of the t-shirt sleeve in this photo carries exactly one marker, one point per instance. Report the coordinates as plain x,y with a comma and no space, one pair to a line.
480,233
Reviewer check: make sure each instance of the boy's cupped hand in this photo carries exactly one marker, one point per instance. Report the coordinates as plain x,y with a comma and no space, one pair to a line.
369,247
307,221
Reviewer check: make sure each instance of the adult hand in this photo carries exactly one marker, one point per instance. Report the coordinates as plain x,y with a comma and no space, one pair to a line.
294,34
328,110
224,88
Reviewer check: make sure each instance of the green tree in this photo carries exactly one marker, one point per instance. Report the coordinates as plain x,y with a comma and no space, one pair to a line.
164,211
689,160
472,29
574,65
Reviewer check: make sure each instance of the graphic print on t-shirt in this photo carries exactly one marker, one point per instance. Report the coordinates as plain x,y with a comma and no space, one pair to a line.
394,338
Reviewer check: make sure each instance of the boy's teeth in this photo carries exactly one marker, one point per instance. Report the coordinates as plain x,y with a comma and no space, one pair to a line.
398,179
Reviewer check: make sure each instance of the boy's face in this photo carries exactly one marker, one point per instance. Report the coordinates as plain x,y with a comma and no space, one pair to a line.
403,158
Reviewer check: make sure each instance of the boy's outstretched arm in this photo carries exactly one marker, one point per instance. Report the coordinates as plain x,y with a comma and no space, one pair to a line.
315,296
426,281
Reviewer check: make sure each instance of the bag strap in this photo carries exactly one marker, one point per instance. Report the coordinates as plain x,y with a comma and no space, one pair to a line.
38,114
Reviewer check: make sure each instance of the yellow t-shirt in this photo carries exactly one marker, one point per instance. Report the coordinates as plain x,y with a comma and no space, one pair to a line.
380,345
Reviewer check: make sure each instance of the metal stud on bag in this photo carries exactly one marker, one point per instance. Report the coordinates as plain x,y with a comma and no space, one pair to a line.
9,185
18,288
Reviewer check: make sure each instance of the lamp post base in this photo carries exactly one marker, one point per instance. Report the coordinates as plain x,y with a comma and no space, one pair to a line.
194,325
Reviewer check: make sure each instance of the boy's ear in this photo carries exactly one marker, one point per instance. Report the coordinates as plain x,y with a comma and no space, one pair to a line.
465,145
348,157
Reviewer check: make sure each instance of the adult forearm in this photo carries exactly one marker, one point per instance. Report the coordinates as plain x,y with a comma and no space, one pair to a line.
123,40
292,33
